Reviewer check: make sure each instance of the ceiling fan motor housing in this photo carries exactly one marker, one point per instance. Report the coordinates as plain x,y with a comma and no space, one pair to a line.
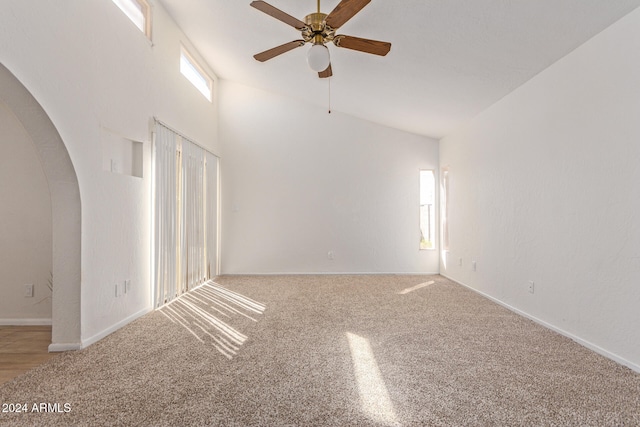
317,30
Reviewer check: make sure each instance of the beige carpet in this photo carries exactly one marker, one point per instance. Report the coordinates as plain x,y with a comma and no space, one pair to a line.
329,351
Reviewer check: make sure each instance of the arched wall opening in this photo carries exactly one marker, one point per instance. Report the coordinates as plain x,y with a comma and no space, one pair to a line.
25,228
65,210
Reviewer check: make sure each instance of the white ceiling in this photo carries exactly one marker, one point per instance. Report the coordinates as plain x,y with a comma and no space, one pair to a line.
450,59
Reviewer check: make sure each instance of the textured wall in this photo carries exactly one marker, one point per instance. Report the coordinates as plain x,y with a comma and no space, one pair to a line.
545,186
298,182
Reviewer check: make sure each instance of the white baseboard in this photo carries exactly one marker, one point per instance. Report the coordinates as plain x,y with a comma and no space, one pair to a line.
59,347
337,273
593,347
97,337
25,322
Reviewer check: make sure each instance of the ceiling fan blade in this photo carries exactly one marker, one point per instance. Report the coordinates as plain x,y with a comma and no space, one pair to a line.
363,45
278,50
326,73
344,11
278,14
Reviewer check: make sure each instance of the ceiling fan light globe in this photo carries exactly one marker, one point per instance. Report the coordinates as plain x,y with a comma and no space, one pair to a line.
318,57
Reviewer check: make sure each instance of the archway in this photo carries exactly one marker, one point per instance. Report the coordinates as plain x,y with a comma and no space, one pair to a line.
65,205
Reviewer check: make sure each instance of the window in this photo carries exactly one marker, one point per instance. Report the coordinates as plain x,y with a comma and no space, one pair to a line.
138,12
195,74
427,209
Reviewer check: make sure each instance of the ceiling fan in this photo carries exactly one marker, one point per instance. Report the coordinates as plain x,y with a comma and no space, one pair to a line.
319,28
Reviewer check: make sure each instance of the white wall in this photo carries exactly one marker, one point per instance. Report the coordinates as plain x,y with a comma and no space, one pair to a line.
25,226
545,186
298,182
96,75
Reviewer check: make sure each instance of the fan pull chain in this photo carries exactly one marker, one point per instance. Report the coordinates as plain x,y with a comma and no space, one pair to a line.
329,94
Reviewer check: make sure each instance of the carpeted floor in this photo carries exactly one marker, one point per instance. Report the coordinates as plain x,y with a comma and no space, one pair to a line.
328,351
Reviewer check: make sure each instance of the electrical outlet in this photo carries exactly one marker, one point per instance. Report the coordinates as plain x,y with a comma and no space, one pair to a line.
117,290
531,286
473,265
28,291
330,255
127,286
460,262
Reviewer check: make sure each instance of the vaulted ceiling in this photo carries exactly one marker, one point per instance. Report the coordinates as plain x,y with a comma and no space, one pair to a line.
450,59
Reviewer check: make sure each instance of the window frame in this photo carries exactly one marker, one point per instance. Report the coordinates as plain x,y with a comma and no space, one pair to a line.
444,208
145,8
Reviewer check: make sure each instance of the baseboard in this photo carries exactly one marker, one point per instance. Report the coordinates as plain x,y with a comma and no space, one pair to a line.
593,347
60,347
87,342
337,273
25,322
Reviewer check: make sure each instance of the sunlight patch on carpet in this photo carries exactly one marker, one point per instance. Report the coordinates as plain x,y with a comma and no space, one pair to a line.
207,313
416,287
374,398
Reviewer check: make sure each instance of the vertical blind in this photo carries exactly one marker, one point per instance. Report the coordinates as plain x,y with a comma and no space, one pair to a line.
211,206
185,214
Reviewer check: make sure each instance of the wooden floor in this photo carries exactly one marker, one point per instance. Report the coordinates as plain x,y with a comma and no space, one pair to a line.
22,348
